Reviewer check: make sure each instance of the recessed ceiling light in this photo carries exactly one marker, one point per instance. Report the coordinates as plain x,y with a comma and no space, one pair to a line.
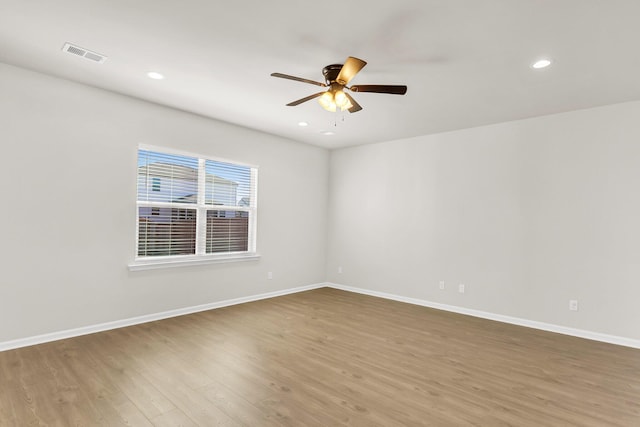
541,63
303,124
155,75
327,132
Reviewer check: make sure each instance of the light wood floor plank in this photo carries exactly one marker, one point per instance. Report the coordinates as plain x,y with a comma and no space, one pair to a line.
321,358
173,418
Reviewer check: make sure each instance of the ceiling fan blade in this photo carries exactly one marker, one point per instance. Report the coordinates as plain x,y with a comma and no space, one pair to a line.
305,99
392,89
298,79
356,107
350,68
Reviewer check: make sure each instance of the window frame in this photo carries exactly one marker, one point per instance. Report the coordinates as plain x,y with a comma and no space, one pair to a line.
201,208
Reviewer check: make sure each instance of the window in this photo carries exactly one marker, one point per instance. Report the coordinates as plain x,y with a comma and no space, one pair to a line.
205,209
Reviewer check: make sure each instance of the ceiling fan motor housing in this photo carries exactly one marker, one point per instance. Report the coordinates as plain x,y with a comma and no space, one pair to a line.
331,72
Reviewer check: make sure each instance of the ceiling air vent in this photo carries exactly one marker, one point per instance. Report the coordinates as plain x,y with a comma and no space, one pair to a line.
87,54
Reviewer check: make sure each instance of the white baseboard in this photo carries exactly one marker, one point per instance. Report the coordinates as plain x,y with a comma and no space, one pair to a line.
596,336
70,333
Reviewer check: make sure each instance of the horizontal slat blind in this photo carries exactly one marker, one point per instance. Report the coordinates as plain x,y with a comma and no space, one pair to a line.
179,205
167,177
228,184
166,231
227,231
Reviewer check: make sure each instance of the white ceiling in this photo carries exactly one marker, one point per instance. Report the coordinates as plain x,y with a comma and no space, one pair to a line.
466,62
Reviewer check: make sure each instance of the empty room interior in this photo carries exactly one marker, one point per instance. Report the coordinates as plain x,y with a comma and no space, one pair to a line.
344,213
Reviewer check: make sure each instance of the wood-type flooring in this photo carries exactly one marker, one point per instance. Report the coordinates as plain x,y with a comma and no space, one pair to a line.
321,358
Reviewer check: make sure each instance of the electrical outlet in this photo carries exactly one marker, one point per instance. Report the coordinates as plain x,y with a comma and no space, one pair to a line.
441,284
461,288
270,275
340,270
573,304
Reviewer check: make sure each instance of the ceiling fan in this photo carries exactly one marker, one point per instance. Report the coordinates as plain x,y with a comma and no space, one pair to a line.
337,76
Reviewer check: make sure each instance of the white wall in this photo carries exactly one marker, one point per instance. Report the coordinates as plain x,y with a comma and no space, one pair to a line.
527,214
68,184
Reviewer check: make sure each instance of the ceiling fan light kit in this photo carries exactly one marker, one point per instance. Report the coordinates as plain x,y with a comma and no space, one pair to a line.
337,77
335,98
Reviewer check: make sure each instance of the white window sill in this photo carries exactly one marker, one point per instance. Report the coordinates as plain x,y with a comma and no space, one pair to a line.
184,261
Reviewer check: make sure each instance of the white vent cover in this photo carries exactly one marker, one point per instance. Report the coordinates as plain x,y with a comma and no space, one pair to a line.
84,53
